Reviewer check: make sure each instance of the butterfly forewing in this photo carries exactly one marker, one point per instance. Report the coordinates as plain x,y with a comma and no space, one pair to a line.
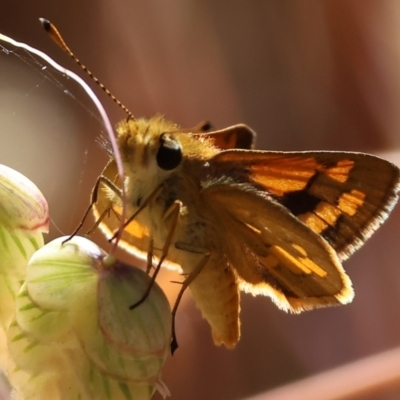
343,197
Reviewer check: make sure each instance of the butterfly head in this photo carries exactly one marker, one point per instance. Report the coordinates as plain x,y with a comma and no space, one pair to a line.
149,144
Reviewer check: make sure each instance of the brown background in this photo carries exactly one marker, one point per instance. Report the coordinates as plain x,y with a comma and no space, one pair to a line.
304,74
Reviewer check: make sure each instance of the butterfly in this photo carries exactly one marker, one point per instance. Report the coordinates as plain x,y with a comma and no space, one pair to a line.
236,219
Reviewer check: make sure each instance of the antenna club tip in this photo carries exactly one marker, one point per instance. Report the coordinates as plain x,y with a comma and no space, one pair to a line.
46,24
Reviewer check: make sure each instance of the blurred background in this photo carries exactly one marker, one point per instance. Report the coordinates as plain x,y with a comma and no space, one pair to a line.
321,75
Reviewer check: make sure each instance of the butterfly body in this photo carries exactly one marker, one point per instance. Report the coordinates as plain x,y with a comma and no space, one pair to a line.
271,223
196,228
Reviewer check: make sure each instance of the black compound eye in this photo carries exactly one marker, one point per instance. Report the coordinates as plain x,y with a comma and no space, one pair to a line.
169,155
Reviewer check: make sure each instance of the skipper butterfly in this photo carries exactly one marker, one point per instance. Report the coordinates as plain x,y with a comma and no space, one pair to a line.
237,219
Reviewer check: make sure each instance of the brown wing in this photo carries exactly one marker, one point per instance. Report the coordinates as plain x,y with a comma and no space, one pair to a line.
273,253
135,238
344,197
234,137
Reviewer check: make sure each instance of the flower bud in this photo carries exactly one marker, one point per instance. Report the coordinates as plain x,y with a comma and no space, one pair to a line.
24,217
75,336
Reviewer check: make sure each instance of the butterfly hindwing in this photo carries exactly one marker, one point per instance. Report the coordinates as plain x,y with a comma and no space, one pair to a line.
273,253
107,212
234,137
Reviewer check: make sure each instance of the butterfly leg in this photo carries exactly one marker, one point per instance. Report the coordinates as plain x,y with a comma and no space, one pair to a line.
150,253
107,182
185,284
148,200
173,213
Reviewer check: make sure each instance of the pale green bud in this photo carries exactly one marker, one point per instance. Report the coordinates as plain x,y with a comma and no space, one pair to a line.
24,216
74,336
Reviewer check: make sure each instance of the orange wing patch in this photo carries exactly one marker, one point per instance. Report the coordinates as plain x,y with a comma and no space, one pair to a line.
300,264
340,172
349,203
323,216
294,173
284,175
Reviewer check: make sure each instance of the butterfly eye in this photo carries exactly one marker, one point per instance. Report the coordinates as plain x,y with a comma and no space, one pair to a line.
169,155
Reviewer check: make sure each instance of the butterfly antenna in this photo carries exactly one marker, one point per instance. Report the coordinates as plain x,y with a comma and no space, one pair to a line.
56,36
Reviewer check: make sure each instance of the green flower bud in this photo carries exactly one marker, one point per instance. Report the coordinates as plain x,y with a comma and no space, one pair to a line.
24,216
74,335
